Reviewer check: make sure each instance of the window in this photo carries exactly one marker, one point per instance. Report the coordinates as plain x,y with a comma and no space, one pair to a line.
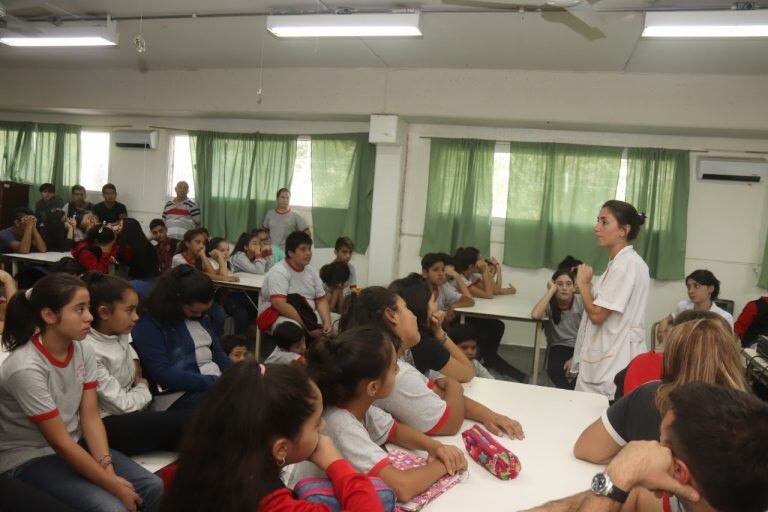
180,165
501,179
94,159
180,169
301,185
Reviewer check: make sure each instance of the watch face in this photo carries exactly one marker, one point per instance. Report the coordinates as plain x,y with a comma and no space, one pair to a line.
598,484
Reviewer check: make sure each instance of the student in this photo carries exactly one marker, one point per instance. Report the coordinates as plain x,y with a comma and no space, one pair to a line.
79,205
436,408
437,268
291,345
124,395
612,331
470,274
48,202
696,350
236,347
83,223
181,213
753,321
165,247
476,274
710,459
58,231
98,250
703,289
137,256
194,253
68,265
435,350
9,289
352,371
343,251
336,277
109,210
563,308
252,253
48,400
23,237
179,352
256,421
295,276
277,253
235,303
465,338
282,221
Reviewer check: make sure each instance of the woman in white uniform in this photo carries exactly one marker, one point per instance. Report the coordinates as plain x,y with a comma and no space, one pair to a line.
612,330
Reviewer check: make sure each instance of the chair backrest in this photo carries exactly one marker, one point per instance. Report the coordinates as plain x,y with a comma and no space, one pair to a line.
725,304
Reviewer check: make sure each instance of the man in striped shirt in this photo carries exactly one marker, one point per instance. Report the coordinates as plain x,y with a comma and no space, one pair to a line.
181,213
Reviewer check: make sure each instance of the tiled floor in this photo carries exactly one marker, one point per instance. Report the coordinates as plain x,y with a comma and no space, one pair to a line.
522,359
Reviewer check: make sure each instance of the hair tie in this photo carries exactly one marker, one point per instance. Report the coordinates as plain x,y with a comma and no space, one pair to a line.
263,369
103,224
28,294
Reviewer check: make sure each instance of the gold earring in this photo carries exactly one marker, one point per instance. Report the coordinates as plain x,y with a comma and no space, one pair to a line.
281,462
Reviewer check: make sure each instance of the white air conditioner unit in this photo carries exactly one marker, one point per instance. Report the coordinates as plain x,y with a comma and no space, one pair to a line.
141,139
731,169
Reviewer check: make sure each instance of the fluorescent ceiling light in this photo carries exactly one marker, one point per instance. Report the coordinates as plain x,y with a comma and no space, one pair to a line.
345,25
706,24
69,35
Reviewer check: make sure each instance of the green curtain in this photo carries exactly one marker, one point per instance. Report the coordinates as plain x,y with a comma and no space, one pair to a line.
459,195
37,153
342,188
554,196
658,184
237,175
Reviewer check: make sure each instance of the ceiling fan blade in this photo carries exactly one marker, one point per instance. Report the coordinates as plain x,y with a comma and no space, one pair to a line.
587,14
19,26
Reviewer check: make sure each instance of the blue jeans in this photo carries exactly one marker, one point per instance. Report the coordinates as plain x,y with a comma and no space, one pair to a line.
54,476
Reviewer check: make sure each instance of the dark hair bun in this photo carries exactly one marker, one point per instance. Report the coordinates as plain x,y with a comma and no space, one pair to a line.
641,218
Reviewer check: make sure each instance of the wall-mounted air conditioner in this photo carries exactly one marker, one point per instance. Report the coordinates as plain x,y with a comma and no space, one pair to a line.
141,139
731,169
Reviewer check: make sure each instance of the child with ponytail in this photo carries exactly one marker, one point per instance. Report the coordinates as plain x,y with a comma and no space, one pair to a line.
353,371
123,392
98,249
252,253
49,406
256,420
413,400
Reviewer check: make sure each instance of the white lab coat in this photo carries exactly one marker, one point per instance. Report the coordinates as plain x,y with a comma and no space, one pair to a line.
604,350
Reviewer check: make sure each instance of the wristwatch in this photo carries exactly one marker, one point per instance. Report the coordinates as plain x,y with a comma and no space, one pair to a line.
602,486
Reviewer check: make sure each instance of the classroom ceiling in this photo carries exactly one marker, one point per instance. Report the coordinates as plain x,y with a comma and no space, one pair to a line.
457,34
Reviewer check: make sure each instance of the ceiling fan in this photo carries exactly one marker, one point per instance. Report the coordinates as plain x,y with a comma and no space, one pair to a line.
16,25
582,10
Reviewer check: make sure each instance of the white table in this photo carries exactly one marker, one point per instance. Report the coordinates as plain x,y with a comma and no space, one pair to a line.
248,283
155,461
552,420
509,307
46,258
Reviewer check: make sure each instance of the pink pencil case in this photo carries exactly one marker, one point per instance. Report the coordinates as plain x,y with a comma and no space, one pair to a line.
489,453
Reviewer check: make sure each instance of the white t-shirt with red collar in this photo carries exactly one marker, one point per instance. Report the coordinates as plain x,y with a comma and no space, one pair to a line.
284,279
34,387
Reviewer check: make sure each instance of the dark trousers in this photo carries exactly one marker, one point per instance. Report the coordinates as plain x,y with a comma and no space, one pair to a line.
147,431
558,356
18,496
489,332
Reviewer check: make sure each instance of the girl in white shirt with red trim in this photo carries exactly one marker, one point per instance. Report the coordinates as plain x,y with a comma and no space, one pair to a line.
51,435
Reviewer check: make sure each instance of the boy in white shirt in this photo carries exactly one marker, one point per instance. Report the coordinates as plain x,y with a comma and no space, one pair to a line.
294,275
289,338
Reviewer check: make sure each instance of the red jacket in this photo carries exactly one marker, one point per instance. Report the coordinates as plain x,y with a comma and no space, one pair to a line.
93,258
353,490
